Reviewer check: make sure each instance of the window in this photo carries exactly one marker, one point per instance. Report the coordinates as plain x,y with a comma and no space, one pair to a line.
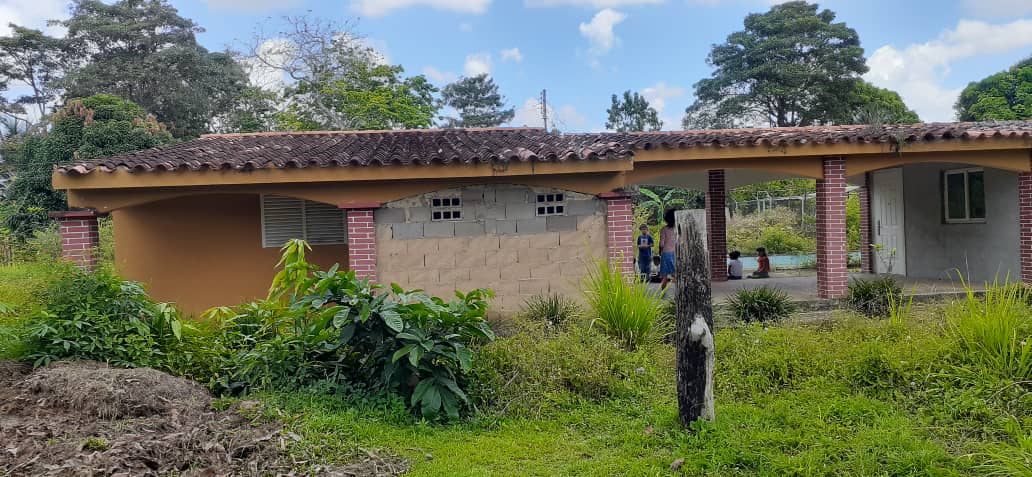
551,204
964,195
285,218
445,208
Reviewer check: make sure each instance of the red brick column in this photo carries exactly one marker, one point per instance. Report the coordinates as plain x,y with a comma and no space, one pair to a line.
620,230
716,225
1025,225
80,236
362,239
832,277
866,252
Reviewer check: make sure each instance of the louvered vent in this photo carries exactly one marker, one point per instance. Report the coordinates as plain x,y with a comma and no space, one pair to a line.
285,218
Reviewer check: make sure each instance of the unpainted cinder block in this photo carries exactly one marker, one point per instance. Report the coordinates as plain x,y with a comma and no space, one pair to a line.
388,215
519,211
467,229
561,223
535,225
407,231
439,229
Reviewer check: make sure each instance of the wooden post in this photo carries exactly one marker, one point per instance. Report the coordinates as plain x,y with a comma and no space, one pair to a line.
694,342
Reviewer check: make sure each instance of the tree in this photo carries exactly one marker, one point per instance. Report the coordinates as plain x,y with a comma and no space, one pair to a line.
633,113
659,199
144,51
254,110
337,82
874,105
477,102
1004,96
97,126
790,66
34,60
693,341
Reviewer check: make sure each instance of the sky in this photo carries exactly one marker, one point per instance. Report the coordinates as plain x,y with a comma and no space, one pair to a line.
583,51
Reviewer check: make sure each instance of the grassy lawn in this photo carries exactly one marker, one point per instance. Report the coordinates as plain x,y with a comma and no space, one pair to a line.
21,288
849,397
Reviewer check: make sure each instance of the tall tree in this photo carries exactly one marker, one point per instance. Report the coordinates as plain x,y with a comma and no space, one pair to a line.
874,105
33,60
1006,95
632,113
96,126
335,81
254,110
478,103
143,50
791,66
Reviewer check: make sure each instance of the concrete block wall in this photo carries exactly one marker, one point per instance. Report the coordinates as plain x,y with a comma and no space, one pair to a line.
500,243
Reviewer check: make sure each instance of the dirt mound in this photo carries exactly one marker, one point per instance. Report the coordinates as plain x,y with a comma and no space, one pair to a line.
85,418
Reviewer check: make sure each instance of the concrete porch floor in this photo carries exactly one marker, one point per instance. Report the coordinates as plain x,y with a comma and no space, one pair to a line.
803,287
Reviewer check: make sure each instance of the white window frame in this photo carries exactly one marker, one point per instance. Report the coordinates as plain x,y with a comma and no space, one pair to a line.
454,205
967,196
304,223
556,203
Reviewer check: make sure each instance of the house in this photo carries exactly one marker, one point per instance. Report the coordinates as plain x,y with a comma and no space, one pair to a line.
517,210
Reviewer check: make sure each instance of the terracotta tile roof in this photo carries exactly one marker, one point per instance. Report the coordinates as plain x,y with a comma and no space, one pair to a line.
470,146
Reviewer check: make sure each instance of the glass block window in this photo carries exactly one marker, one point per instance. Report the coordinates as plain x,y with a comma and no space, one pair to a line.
445,208
551,204
964,195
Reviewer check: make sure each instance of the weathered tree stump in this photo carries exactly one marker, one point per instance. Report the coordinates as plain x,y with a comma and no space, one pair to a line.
694,336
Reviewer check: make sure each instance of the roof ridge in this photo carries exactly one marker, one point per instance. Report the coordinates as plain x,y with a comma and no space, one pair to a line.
367,131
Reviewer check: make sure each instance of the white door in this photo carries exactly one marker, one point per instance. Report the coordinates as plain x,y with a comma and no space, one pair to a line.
887,221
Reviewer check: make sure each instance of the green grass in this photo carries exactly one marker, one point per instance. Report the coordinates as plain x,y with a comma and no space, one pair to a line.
852,397
21,288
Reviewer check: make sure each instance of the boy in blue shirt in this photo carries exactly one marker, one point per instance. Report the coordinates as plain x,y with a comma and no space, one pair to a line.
645,244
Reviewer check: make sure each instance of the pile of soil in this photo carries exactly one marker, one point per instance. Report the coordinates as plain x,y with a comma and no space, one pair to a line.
85,418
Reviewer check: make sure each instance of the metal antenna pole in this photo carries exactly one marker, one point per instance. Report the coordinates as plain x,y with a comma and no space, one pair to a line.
544,108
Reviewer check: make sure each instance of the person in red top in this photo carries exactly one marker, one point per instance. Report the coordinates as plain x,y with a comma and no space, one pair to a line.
763,264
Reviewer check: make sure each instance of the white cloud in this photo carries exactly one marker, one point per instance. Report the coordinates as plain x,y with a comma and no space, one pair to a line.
477,64
658,95
513,54
465,27
378,8
439,76
32,14
918,72
590,3
276,51
566,118
999,8
251,5
599,31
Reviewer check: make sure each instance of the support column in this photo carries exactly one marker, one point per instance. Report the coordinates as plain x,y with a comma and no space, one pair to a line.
620,230
1025,225
832,277
80,236
716,225
866,252
362,238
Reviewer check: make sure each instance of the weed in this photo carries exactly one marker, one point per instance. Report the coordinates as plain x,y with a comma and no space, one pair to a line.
762,305
993,332
874,297
623,307
554,310
95,444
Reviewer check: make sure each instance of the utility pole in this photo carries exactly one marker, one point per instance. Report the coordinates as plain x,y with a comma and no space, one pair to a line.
544,108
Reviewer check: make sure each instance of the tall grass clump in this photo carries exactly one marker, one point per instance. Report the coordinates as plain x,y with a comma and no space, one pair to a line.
622,307
874,297
993,332
555,311
760,305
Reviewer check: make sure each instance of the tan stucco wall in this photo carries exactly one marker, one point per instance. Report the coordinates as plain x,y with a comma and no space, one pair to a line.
202,251
516,266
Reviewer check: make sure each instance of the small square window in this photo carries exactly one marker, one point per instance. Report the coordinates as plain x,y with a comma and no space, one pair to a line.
446,208
551,204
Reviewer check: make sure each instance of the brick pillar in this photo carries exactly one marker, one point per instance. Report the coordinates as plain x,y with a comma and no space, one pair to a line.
832,277
1025,225
866,252
80,236
620,230
362,238
716,225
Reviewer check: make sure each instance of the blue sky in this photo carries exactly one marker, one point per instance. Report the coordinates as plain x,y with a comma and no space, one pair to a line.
582,51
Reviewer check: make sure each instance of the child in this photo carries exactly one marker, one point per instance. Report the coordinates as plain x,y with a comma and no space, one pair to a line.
763,264
645,244
667,246
656,278
734,266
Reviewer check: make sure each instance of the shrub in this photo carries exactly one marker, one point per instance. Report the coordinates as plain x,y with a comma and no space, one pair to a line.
762,305
622,307
993,333
554,310
100,317
319,328
874,297
776,229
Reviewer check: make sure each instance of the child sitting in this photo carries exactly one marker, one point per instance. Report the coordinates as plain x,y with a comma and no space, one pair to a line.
763,264
734,266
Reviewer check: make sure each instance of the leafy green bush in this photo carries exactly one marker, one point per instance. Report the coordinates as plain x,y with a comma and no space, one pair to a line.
778,230
874,297
100,317
623,308
993,332
762,305
331,327
554,310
